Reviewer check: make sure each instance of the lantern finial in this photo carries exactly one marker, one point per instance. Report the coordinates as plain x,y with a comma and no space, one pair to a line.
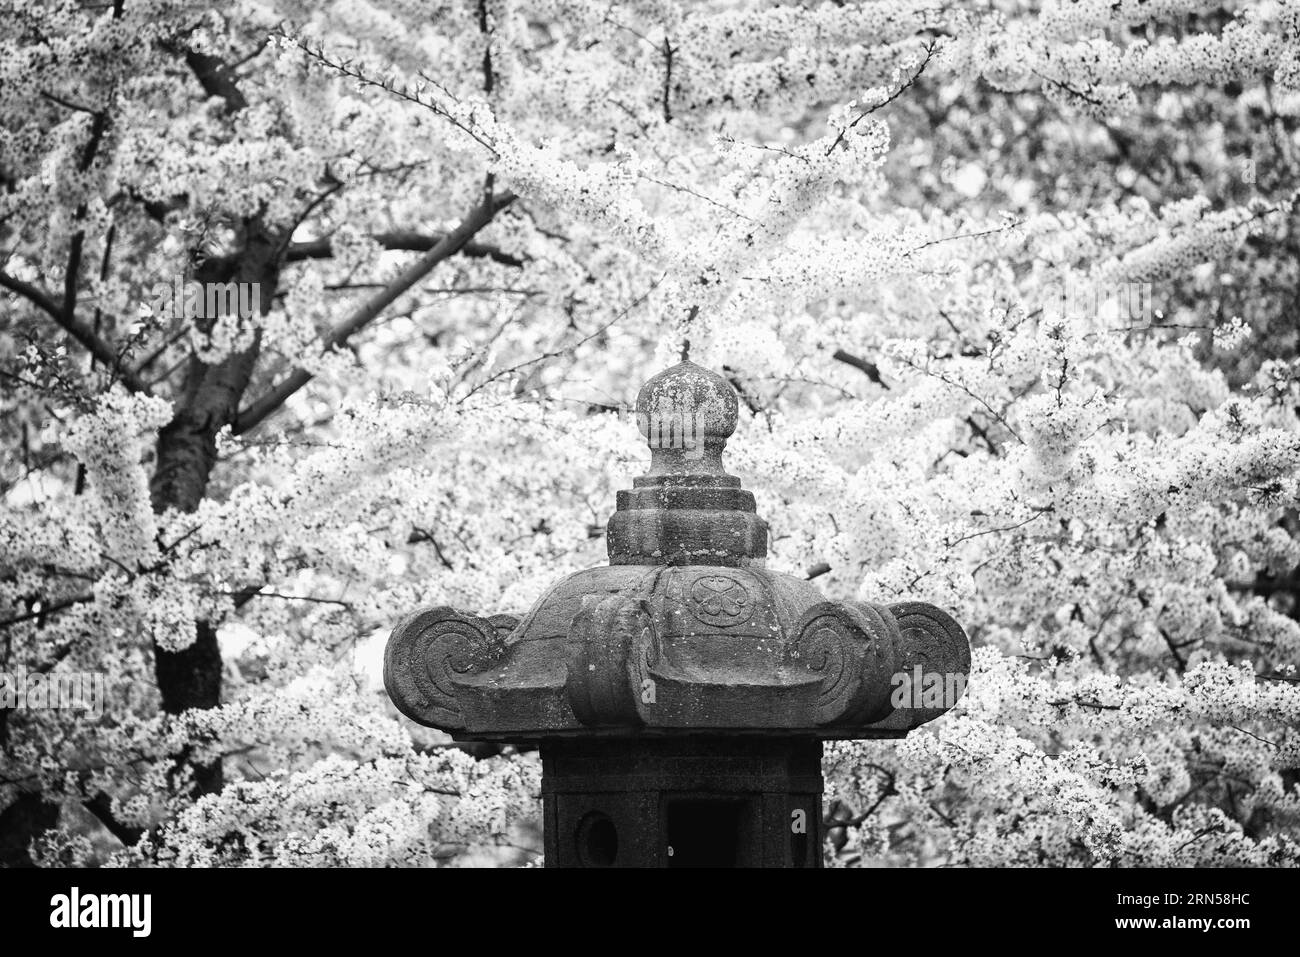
686,510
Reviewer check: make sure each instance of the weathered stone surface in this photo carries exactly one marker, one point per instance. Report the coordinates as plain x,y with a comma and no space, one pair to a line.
854,647
682,802
932,641
426,652
701,647
686,510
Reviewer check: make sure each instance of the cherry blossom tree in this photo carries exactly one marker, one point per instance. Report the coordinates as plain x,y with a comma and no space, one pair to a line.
1008,292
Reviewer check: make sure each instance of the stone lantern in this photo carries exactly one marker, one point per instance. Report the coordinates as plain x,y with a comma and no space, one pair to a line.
680,694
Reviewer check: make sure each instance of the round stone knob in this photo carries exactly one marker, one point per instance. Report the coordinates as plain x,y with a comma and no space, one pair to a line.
686,402
686,510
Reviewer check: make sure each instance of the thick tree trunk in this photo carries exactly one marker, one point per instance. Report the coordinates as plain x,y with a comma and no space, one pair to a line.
186,455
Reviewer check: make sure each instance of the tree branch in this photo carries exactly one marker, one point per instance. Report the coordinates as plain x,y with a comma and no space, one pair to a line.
408,240
215,77
444,249
69,322
669,50
49,609
871,370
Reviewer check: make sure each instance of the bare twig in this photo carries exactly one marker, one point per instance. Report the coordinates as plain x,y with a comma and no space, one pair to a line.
929,53
569,348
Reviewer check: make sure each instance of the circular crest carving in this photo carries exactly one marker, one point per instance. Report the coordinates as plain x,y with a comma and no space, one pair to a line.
720,600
